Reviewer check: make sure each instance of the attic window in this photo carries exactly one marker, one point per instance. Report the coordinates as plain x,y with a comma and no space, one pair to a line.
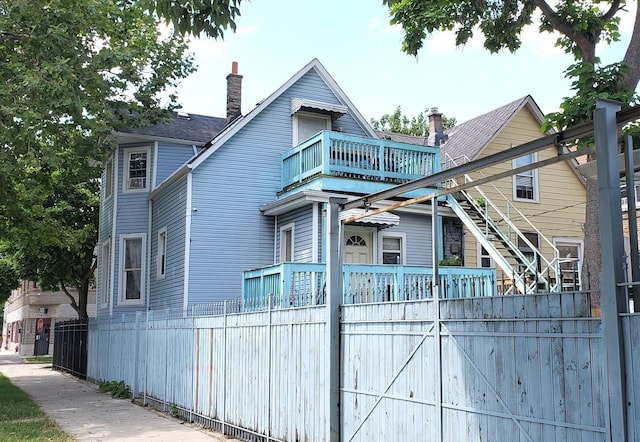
183,116
304,104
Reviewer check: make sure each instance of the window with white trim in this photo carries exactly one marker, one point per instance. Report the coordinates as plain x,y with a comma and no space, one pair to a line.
570,256
108,179
136,170
525,184
132,262
105,274
286,243
392,249
484,259
162,253
307,124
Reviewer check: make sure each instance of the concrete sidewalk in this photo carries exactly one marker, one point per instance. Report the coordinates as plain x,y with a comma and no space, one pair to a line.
81,410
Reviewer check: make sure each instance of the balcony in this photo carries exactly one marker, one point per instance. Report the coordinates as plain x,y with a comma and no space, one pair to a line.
303,284
336,154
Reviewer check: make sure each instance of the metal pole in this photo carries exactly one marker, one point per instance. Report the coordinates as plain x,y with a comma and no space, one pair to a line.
436,317
334,296
631,216
612,297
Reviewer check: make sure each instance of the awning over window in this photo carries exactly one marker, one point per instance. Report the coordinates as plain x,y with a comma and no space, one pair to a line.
303,104
379,220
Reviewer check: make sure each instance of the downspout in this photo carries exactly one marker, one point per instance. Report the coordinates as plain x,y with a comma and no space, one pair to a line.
187,239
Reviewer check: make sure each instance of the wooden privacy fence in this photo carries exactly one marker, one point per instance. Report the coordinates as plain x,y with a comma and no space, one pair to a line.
516,368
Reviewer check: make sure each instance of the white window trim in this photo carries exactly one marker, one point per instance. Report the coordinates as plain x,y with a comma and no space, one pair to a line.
479,258
536,186
109,180
327,118
125,169
283,229
105,272
121,298
161,272
403,245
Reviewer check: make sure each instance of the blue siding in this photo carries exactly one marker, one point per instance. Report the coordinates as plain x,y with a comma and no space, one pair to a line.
229,233
132,216
170,158
418,233
302,234
169,211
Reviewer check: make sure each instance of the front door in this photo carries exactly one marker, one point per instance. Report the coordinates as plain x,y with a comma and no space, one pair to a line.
358,249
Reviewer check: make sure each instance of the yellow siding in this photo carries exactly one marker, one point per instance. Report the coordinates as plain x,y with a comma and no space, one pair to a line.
560,209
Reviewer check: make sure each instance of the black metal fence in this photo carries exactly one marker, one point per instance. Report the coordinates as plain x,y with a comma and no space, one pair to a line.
70,347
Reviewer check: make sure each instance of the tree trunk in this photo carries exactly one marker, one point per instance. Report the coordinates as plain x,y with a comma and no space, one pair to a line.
632,57
592,261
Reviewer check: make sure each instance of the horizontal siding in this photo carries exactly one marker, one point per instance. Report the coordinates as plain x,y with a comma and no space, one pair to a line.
302,234
557,214
170,158
169,211
229,233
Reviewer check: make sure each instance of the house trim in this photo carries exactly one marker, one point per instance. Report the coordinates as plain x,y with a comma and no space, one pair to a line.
315,234
114,218
143,272
126,158
292,228
403,245
187,240
155,164
161,270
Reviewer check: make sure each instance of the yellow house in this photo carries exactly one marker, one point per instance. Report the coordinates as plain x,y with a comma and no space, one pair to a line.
529,225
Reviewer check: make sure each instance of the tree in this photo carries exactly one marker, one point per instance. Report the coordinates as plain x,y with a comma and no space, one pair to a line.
581,26
72,72
401,124
188,17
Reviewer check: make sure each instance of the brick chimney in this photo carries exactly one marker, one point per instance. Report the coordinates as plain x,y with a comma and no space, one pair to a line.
234,93
436,135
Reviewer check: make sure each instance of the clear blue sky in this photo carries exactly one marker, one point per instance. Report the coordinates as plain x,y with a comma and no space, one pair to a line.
356,44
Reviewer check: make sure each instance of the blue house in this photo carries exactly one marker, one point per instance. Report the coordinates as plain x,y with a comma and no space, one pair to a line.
205,209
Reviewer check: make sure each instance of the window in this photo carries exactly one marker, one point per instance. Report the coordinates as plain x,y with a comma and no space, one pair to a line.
530,253
286,243
484,259
108,179
136,170
306,125
570,254
162,252
132,247
525,184
105,274
392,249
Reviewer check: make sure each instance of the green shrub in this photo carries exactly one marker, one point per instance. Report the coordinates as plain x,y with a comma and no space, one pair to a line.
118,389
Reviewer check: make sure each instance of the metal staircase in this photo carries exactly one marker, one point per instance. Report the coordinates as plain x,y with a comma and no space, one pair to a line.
530,272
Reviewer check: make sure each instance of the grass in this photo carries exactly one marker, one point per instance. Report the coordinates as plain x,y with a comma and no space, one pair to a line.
39,359
22,420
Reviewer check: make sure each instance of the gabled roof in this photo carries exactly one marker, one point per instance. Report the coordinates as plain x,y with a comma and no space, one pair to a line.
196,129
239,123
472,137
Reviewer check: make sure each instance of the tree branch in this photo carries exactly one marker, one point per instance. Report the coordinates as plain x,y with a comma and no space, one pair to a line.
632,56
73,303
613,10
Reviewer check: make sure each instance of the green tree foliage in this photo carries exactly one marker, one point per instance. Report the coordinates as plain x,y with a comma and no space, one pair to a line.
401,124
581,26
211,17
72,72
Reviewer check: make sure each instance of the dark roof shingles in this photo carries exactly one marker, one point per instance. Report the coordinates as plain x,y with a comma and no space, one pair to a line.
198,128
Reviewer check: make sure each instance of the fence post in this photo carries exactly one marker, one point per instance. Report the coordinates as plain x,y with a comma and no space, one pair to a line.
436,316
334,296
613,297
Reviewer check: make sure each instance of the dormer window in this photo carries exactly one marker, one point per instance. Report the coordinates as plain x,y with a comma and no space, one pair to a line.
136,169
311,117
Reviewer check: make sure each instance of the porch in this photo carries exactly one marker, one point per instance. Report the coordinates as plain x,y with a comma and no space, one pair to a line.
340,155
303,284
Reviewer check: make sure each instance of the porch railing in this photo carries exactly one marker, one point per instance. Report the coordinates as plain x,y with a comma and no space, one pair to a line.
340,154
302,284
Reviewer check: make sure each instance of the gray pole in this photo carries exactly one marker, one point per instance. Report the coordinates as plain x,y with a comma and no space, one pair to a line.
612,297
631,216
332,330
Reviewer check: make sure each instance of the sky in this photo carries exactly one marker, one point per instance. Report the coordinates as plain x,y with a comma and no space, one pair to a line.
362,52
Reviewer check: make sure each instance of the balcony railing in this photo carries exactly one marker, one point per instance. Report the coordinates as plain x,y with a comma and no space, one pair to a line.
303,284
350,156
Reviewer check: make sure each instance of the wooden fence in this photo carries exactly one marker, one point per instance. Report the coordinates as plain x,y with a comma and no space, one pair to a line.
517,368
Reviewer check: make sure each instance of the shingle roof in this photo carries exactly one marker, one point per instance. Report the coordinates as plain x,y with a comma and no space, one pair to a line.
472,137
401,138
191,127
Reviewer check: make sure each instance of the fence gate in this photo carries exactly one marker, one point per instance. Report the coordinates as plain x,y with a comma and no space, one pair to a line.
70,347
524,367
